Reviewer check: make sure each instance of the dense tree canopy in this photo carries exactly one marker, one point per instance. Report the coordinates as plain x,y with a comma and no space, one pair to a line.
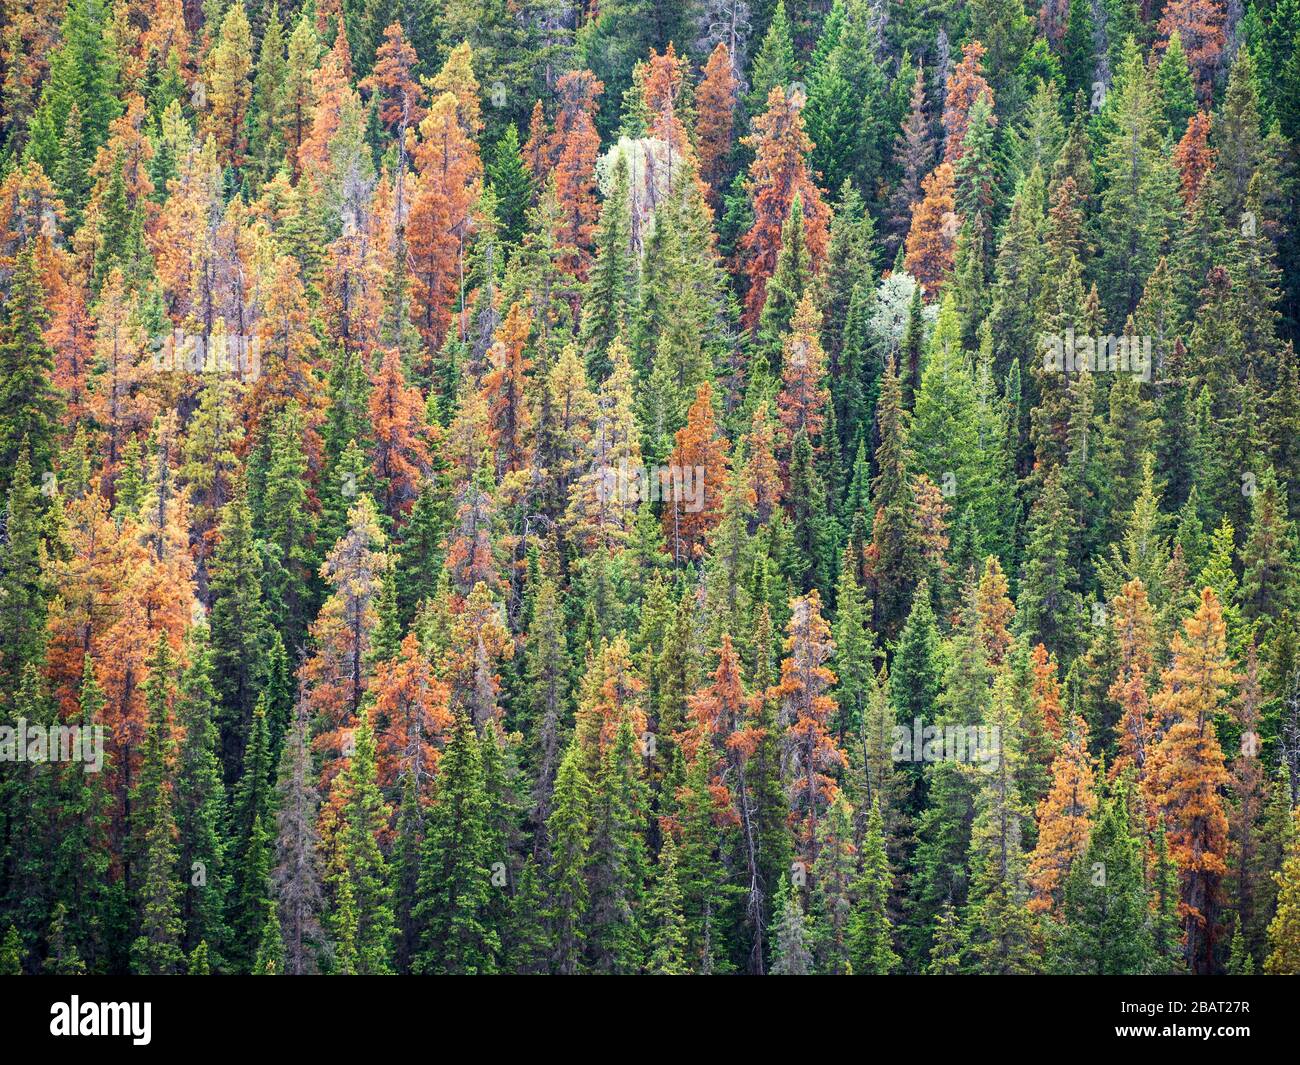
649,487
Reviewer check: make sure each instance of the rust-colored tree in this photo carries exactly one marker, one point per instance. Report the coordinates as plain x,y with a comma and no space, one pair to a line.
505,389
1047,690
932,238
804,395
1134,625
448,179
779,174
1064,819
1194,157
393,82
716,713
1187,777
966,84
696,480
572,148
400,453
412,715
715,105
807,710
1200,26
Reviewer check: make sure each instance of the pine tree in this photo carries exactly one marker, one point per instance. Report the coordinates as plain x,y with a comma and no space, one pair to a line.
239,628
454,886
157,950
200,799
1105,915
252,810
609,294
569,831
1284,930
23,591
617,866
358,858
229,65
1187,771
296,878
789,935
1048,600
668,940
1000,928
29,407
932,236
1138,205
778,175
807,706
870,932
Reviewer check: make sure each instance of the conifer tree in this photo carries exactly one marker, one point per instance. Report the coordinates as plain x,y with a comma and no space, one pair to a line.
454,888
1284,930
667,954
200,799
1105,925
29,406
358,858
1187,772
569,830
870,946
791,955
157,949
618,867
296,878
778,175
252,809
24,592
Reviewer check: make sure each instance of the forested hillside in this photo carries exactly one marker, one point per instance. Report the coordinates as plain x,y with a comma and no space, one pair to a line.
649,486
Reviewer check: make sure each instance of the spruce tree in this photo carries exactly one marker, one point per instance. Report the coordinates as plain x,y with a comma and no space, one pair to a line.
157,949
29,407
454,886
870,932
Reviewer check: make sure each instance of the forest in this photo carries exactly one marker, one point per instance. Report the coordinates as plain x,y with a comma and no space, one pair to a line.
649,487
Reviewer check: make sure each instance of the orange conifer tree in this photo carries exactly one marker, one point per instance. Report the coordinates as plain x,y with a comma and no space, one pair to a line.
715,103
572,148
1194,157
803,398
813,755
698,475
401,96
716,713
777,175
1186,778
1064,819
966,84
932,238
1047,690
448,179
1134,625
400,455
1200,26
